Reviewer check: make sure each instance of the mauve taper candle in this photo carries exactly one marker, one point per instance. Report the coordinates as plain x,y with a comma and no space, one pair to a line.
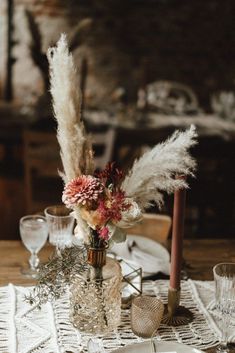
177,237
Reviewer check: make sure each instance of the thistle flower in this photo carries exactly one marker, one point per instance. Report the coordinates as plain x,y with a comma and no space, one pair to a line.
84,190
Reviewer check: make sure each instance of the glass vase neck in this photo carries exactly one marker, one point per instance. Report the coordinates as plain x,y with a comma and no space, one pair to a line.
96,257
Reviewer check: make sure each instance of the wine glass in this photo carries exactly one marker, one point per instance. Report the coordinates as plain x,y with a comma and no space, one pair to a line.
224,277
33,232
60,225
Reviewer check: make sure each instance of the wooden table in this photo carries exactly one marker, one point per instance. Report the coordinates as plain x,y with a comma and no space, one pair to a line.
200,256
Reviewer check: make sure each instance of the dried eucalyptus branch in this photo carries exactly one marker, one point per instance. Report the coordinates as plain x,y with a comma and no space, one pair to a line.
55,275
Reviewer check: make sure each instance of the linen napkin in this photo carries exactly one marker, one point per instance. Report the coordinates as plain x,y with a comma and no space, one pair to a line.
151,264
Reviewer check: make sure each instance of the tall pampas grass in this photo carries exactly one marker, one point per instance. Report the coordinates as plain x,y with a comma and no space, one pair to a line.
75,145
155,171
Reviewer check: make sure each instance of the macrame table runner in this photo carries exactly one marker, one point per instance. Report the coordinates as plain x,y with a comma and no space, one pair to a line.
26,329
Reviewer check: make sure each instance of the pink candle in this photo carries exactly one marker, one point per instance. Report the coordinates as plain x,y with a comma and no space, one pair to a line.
177,237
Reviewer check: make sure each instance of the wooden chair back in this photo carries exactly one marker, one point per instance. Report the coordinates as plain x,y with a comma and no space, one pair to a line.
103,141
42,162
41,165
153,226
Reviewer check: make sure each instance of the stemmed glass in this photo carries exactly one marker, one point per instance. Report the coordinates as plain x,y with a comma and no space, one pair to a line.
224,276
33,232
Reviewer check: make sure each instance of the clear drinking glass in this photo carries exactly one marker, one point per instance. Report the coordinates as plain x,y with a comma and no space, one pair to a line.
33,232
224,276
60,225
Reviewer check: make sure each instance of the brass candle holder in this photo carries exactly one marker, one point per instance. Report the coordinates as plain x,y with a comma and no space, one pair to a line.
175,314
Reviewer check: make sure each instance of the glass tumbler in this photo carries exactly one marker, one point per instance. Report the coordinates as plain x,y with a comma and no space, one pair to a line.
224,277
60,225
146,315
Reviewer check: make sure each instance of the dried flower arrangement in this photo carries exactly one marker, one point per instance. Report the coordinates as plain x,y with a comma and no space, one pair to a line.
105,203
101,202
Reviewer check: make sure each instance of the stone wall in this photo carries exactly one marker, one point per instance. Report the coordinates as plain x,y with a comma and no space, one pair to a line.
133,42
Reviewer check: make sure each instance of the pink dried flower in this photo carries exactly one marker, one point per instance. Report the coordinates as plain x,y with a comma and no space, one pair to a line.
84,190
111,208
104,233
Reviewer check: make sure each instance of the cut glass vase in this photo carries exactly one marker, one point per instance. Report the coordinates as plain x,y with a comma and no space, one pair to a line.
95,295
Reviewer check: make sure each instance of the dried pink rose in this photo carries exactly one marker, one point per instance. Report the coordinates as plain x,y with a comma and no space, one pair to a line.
83,191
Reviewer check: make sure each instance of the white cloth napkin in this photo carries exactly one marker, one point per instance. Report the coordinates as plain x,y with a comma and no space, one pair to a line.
150,264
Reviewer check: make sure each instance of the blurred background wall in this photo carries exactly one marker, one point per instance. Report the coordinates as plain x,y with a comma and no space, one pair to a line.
131,43
122,45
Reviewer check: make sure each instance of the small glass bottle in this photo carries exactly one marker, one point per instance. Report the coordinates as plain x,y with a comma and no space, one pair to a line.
95,300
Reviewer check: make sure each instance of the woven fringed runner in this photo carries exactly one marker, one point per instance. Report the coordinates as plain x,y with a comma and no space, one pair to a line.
26,329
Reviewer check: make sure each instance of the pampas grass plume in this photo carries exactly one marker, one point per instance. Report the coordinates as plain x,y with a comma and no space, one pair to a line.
155,171
75,146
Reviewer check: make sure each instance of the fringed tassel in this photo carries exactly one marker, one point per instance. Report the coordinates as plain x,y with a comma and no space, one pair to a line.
7,323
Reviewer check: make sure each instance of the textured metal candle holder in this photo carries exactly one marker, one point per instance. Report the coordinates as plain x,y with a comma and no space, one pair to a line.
175,314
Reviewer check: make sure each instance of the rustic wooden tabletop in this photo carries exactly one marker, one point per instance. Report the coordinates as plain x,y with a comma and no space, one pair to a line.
200,255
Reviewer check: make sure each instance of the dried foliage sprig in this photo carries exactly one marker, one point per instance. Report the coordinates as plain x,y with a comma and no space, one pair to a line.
55,275
154,172
75,145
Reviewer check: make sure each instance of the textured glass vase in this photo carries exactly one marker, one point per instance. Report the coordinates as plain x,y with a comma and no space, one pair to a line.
95,299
